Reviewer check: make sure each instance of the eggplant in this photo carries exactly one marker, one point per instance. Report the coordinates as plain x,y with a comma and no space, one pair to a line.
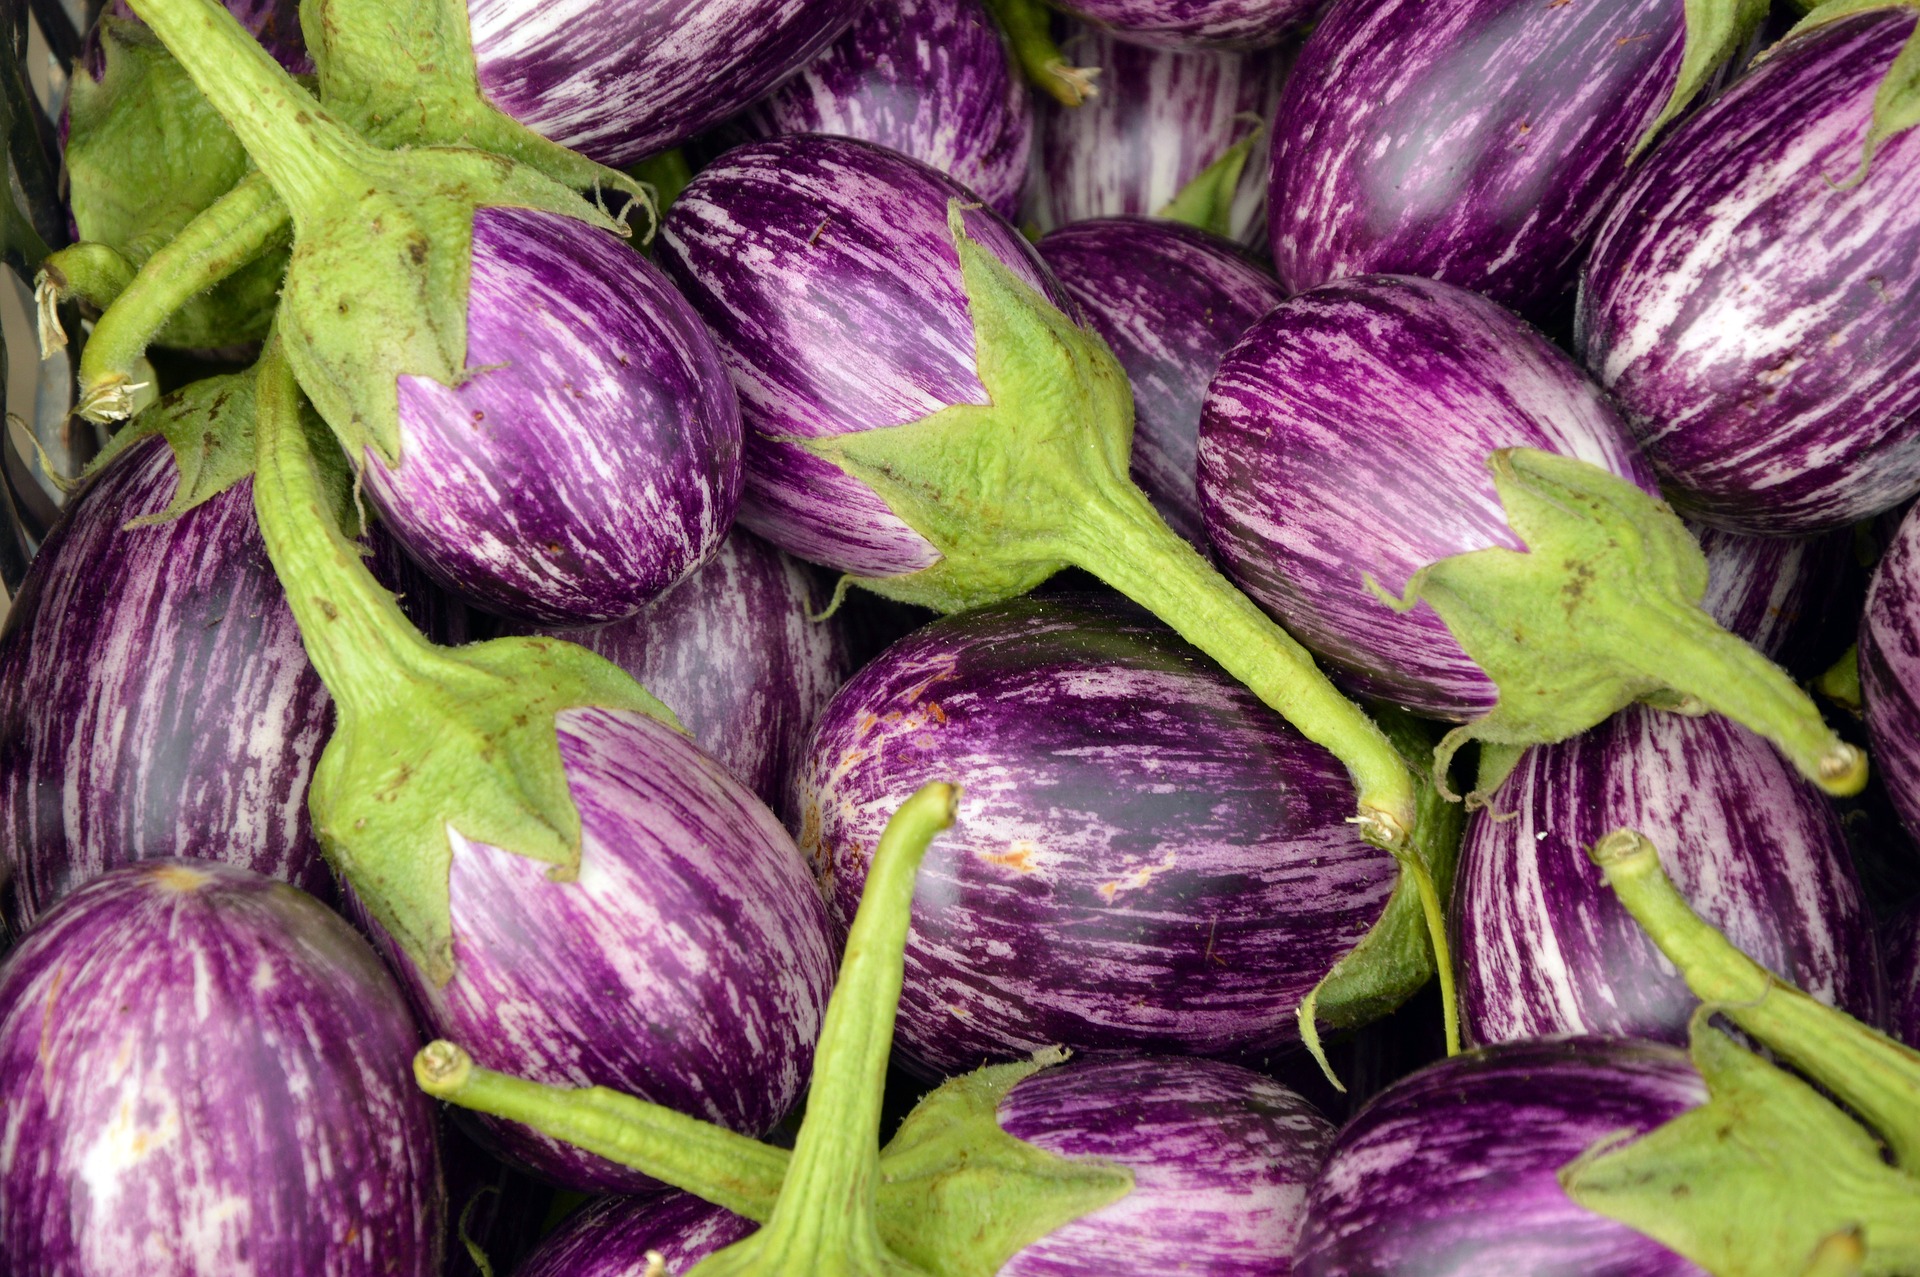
1186,24
736,653
1778,593
1384,442
1147,859
154,697
923,415
1750,302
1542,946
1454,1170
1478,143
1169,300
204,1070
621,1236
929,78
1162,121
1889,656
1902,949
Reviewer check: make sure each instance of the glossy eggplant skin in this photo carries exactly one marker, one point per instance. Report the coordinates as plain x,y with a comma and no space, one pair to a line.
1159,118
1889,654
1541,945
1169,300
932,79
1146,858
1189,24
154,696
1451,1172
1348,433
1756,312
1902,949
203,1070
614,1236
1478,143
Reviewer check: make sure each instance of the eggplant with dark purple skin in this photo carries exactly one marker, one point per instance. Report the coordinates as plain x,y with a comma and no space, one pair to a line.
928,78
1168,300
1025,1170
1542,946
924,417
1147,858
1889,656
204,1071
1453,1171
1170,133
1188,24
1901,946
1753,301
1478,143
1385,442
736,653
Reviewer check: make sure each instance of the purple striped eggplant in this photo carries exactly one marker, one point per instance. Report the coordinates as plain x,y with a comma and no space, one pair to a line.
154,697
1453,1171
1186,24
205,1071
1755,309
1169,300
1902,949
1542,946
1438,502
1146,857
735,653
1478,143
1889,648
1778,593
929,78
1160,119
620,1237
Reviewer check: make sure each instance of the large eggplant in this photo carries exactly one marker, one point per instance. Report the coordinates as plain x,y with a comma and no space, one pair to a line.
154,697
1478,143
1453,1172
1184,24
1169,299
205,1071
1753,301
735,652
1145,858
1160,118
1889,650
1543,947
928,78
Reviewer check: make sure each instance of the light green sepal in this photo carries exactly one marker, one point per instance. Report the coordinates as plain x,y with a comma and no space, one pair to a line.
1754,1182
1207,200
987,484
1715,31
209,426
959,1196
1601,610
1896,103
1840,682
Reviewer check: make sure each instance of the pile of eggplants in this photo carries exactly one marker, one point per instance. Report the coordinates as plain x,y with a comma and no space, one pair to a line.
936,638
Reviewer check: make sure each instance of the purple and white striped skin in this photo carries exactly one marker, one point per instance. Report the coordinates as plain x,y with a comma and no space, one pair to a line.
620,81
1159,118
613,1237
688,964
1478,143
1146,858
1541,945
1221,1159
1348,432
1774,592
1902,950
1755,313
1452,1172
206,1071
154,696
826,272
932,79
1187,24
734,652
1169,300
594,461
1889,648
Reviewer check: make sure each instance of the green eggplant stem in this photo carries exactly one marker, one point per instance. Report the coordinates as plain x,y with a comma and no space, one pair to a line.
1874,1075
92,273
1028,27
1435,913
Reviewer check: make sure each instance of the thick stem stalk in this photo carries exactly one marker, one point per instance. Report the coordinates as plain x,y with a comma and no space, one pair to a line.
1028,25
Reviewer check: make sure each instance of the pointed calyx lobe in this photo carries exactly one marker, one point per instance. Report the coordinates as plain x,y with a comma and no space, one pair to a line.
428,740
1715,31
1013,490
1896,103
1601,610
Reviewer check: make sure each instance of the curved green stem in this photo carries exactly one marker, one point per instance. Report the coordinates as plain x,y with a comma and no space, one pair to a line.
730,1170
1029,28
1435,914
1874,1075
92,273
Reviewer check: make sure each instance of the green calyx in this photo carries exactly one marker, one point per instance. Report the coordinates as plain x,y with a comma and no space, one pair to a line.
1840,682
952,1195
428,741
1028,26
1715,31
208,425
1206,201
1601,610
1036,479
1896,103
1769,1176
